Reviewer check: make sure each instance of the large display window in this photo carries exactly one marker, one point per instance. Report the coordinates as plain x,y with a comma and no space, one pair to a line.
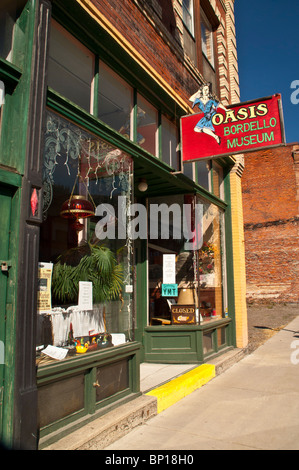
211,260
85,293
71,67
195,291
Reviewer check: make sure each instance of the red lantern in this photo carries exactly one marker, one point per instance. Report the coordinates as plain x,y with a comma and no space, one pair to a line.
77,207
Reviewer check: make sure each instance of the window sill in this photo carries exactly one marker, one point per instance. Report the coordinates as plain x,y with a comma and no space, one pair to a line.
205,325
83,361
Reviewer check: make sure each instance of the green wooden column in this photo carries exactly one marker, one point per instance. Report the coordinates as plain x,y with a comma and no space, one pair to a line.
20,158
12,156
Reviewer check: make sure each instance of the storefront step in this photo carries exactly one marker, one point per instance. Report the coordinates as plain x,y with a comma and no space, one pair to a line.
108,428
180,387
172,390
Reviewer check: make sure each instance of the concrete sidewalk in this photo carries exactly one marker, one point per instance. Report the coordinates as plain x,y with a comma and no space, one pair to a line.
161,385
253,405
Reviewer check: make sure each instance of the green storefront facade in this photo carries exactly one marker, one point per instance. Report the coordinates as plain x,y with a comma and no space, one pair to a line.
44,131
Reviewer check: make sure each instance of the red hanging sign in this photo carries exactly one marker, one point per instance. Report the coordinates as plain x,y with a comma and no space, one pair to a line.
217,131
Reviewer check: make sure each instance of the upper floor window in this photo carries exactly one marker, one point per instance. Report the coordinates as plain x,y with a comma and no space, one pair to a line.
71,67
203,174
198,36
147,126
115,101
9,13
99,90
169,143
7,22
200,172
188,15
217,175
207,38
190,45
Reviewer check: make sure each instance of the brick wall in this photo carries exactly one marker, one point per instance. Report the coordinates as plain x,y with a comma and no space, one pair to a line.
270,187
162,51
155,29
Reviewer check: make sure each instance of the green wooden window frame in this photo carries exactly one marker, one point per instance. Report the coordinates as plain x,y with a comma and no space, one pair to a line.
135,92
79,24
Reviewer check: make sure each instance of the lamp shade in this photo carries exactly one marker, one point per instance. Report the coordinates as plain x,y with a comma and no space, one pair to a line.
77,207
186,297
142,185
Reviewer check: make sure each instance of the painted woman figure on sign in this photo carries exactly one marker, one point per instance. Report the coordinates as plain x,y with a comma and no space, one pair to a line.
208,105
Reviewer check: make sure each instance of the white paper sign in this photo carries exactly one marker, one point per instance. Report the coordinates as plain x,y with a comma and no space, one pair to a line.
168,269
55,353
85,295
118,338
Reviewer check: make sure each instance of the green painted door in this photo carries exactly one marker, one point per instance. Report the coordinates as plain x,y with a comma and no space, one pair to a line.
6,201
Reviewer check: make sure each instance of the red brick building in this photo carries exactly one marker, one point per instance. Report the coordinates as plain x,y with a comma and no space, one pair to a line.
271,222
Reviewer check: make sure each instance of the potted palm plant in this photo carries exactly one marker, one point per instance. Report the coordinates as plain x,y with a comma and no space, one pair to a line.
90,261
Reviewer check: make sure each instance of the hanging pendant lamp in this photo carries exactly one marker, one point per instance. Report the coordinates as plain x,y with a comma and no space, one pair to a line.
78,206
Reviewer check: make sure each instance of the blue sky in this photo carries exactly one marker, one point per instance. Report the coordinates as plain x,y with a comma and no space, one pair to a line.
268,54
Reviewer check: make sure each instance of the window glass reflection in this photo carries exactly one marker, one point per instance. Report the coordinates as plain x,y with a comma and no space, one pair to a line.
70,70
115,101
147,126
169,143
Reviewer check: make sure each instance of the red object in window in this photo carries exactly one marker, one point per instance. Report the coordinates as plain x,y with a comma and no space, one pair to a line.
34,202
77,207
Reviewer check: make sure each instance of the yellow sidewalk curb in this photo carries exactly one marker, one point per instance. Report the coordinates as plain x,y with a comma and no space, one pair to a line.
178,388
